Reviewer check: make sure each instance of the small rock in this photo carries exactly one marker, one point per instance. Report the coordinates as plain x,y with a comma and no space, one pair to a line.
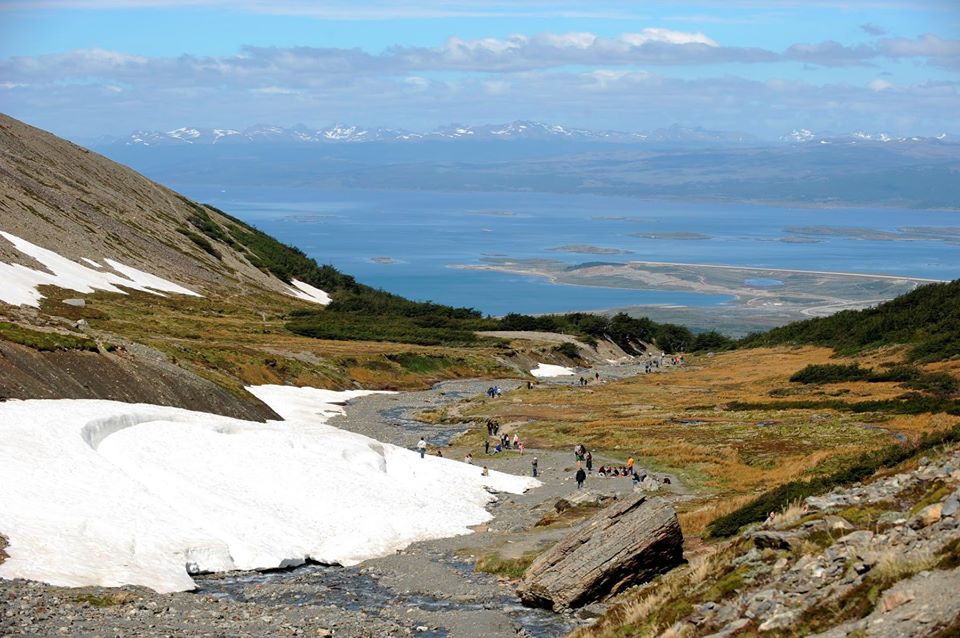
893,599
892,518
779,621
927,516
951,506
856,538
774,540
730,628
838,523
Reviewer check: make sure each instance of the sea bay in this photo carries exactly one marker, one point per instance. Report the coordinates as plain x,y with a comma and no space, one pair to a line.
414,243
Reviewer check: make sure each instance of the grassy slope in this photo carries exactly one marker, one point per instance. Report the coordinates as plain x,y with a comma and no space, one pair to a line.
927,319
678,421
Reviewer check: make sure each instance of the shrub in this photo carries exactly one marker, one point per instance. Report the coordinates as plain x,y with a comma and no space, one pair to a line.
568,349
928,319
831,373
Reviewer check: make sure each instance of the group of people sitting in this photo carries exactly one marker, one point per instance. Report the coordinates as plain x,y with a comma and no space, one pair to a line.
503,443
622,470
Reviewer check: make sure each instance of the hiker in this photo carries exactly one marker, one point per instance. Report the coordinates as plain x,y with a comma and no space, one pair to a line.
630,465
581,477
636,479
533,463
496,427
520,447
468,459
596,376
498,449
439,453
516,439
422,447
602,471
589,460
529,385
486,446
485,471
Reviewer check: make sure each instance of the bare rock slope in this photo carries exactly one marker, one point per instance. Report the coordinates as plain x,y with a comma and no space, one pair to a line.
66,198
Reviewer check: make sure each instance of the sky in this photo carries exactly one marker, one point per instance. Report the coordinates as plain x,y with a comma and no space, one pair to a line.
89,68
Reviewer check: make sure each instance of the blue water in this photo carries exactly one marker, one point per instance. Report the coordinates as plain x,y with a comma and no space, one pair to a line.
420,235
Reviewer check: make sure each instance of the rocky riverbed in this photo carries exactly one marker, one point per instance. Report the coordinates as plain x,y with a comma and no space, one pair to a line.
428,589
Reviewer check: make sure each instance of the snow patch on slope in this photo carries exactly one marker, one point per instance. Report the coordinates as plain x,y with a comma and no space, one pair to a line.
305,291
549,370
20,282
108,493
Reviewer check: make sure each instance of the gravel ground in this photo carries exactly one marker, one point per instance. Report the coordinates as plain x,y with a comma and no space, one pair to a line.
429,589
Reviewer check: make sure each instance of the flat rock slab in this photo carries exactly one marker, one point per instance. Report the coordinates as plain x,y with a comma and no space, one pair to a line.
628,543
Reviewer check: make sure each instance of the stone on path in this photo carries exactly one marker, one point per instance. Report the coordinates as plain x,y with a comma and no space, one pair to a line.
629,543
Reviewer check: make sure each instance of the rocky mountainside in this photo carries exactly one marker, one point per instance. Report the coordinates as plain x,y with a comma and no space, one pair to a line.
63,197
880,559
82,223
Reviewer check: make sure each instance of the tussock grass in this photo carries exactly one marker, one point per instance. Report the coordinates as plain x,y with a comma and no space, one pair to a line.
512,568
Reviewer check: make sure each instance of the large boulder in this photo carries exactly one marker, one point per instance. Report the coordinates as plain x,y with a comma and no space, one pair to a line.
628,543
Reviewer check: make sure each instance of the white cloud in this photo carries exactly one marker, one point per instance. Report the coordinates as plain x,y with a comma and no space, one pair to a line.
880,85
667,36
274,90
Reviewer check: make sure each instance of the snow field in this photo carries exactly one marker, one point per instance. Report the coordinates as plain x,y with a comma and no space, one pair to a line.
544,370
19,283
305,291
108,493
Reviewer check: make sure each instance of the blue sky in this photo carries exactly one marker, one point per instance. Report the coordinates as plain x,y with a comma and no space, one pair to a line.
84,68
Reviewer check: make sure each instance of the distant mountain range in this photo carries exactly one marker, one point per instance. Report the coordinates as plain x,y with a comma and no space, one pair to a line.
518,130
803,136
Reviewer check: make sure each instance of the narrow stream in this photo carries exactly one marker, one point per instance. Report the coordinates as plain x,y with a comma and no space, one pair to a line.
356,589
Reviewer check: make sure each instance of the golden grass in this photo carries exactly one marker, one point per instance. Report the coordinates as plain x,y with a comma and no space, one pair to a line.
654,608
695,521
676,422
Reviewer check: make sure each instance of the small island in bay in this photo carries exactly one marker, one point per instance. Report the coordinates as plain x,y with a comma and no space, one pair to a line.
587,249
671,235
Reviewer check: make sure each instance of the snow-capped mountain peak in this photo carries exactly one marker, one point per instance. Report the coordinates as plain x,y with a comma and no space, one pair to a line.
799,135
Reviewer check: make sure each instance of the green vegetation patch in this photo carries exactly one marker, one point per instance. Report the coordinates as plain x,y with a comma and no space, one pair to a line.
510,567
831,373
626,331
422,363
568,349
927,319
909,403
45,341
935,383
